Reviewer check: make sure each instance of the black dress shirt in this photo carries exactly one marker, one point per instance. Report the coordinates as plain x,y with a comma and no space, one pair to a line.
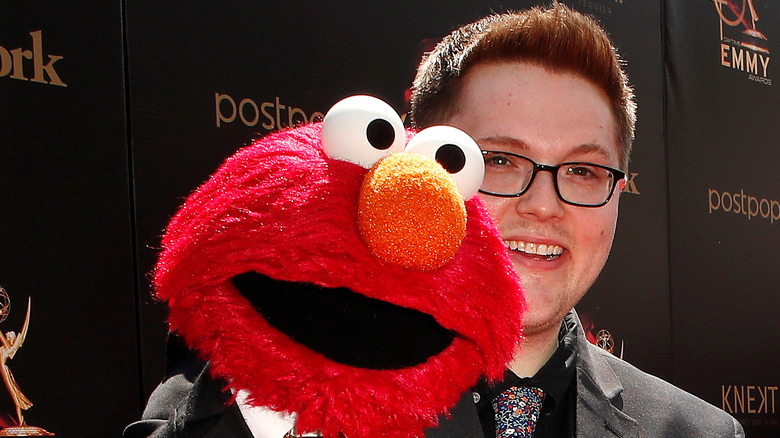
555,378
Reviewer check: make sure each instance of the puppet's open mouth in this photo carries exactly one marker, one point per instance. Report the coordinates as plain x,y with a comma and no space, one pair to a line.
344,326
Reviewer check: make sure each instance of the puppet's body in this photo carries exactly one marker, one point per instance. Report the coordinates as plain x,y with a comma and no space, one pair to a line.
362,301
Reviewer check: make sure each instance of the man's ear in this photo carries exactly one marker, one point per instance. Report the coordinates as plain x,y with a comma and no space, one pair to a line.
622,184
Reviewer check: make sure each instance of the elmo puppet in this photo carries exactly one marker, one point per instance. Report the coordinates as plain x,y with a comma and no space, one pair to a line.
343,276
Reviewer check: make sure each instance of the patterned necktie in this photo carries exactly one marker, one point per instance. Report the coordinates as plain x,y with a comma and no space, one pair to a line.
517,410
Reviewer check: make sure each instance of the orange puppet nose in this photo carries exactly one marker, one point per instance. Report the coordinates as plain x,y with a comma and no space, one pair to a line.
411,213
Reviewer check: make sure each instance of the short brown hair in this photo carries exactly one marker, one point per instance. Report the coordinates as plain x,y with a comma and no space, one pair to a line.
557,38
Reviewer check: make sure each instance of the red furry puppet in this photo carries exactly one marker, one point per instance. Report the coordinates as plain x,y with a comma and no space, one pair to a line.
337,282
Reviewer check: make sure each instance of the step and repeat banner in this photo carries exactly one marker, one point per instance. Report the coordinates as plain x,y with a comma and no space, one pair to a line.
112,115
67,303
722,132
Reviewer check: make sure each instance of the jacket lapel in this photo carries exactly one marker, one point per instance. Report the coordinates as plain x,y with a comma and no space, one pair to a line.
599,399
208,416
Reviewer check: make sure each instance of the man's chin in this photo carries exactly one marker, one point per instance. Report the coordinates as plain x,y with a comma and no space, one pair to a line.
542,317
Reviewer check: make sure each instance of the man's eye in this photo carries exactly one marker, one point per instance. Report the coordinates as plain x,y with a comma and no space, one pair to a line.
584,172
498,160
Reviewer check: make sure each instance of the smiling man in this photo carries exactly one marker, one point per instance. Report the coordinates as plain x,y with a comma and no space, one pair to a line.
544,95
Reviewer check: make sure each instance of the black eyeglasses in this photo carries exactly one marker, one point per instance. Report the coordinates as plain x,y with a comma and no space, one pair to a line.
583,184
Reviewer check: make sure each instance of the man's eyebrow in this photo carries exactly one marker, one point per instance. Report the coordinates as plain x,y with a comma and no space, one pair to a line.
507,144
589,148
513,144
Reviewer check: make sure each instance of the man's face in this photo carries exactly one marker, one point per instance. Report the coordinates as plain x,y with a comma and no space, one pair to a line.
550,118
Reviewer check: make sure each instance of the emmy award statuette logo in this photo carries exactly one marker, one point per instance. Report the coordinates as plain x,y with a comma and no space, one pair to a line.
734,13
11,343
605,341
742,46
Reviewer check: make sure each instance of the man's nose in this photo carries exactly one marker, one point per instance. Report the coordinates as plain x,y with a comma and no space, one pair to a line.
541,199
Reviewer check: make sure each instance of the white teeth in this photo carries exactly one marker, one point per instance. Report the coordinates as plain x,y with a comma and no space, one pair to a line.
540,249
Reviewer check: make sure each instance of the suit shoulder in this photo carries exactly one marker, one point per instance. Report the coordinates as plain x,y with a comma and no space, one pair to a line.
658,403
641,386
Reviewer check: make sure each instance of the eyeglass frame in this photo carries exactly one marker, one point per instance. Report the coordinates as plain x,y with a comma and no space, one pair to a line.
616,174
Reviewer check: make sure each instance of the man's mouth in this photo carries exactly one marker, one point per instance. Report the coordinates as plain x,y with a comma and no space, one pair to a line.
344,326
538,250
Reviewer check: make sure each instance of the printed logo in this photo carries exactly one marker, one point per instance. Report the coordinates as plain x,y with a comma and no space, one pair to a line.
755,406
601,338
18,62
743,46
748,399
631,184
10,343
270,115
747,205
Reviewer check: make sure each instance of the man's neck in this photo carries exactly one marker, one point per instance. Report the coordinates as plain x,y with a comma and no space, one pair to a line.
534,352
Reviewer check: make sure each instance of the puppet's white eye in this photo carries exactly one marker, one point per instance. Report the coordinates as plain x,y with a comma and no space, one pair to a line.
362,130
456,151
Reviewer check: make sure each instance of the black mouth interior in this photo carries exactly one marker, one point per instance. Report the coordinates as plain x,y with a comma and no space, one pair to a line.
344,326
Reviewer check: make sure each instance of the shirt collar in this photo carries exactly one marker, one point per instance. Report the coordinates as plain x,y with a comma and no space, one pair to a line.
553,378
263,422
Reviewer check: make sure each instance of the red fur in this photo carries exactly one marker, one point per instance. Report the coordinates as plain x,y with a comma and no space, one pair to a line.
282,208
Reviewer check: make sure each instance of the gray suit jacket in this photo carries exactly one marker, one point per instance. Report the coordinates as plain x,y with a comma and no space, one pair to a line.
614,399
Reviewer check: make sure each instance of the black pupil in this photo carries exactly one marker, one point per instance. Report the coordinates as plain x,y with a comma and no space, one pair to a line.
380,134
451,158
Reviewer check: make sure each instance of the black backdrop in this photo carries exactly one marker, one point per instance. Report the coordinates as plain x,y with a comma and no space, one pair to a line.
722,143
98,149
66,238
